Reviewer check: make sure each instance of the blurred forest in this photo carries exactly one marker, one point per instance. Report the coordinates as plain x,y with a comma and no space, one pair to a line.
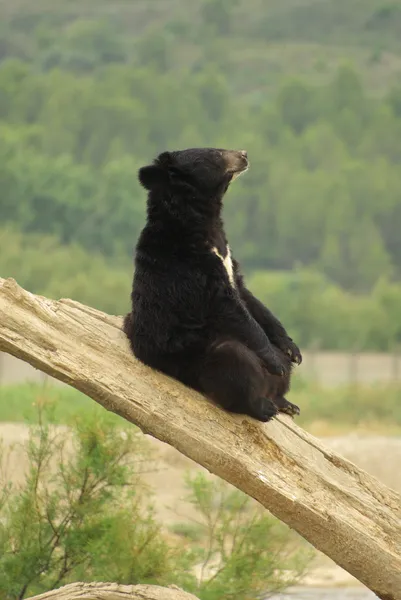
90,90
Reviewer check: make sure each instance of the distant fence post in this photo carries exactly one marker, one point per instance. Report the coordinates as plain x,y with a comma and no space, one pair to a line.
353,367
395,364
313,353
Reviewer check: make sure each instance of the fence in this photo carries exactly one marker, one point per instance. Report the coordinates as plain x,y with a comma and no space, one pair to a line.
327,368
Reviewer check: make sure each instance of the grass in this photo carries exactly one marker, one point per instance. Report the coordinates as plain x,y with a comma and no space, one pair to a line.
19,403
357,408
366,409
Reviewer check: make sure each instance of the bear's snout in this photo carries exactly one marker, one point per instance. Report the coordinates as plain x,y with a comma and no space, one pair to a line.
236,160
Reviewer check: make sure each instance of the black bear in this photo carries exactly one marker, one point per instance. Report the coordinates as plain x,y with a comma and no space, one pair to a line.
192,316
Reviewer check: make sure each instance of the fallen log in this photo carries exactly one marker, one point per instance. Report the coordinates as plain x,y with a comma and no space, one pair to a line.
112,591
344,512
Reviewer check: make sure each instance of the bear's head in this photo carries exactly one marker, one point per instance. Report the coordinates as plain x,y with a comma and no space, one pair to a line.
197,171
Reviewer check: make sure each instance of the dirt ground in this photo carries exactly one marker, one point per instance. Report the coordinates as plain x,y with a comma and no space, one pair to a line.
380,456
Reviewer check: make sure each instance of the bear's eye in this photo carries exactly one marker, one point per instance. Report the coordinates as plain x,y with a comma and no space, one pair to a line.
173,171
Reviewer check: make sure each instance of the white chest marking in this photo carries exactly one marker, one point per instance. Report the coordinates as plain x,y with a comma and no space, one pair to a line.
228,264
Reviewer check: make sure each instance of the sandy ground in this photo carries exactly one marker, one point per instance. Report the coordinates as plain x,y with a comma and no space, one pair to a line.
380,456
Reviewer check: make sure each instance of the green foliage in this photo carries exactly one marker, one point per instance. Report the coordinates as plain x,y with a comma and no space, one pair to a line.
331,318
83,514
217,15
246,553
295,102
374,408
189,531
321,189
42,265
20,403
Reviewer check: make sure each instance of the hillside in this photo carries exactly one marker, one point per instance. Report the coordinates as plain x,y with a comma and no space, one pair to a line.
257,41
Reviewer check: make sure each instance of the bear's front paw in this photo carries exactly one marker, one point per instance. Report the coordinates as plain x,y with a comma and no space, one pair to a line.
262,409
290,348
273,362
284,406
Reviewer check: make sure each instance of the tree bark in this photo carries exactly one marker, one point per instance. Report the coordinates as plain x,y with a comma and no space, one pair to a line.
344,512
112,591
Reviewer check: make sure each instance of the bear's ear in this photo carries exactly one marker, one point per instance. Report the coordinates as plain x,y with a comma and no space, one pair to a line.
151,176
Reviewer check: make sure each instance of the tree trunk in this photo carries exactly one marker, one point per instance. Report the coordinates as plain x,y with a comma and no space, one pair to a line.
112,591
337,507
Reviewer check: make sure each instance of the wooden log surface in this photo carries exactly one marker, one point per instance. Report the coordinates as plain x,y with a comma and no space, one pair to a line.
113,591
344,512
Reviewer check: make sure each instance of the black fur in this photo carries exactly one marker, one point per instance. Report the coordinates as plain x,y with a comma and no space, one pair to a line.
187,320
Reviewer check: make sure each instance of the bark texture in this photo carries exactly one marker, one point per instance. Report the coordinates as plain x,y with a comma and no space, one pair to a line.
112,591
344,512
